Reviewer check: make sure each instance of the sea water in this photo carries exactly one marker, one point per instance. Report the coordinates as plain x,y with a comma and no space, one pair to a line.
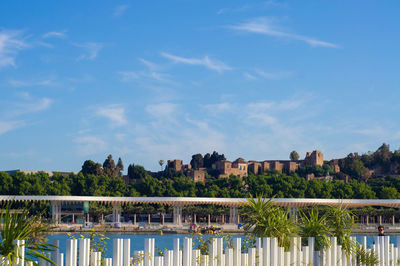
163,242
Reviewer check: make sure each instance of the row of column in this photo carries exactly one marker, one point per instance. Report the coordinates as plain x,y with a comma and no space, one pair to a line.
234,217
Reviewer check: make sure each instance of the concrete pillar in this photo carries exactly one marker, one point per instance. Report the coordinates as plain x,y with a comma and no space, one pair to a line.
233,215
73,218
367,220
148,218
380,219
194,218
134,219
223,219
393,220
209,219
162,218
177,215
116,212
56,212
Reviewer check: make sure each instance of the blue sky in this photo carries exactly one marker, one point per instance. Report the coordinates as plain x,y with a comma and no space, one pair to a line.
151,80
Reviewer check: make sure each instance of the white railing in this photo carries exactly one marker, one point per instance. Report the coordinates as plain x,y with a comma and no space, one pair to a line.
266,253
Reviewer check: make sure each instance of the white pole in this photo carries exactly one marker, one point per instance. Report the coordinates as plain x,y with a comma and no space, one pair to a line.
386,240
293,250
127,252
306,255
274,252
60,259
311,248
287,259
117,250
187,252
108,262
339,261
158,261
237,251
204,260
258,252
229,257
244,259
252,256
334,251
212,251
266,251
149,252
281,258
176,252
195,257
220,252
169,258
71,252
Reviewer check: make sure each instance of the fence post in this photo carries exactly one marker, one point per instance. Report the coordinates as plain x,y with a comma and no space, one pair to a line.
127,252
187,252
252,256
274,252
258,252
149,252
311,247
229,257
60,259
266,251
237,251
71,252
117,251
195,257
220,252
177,260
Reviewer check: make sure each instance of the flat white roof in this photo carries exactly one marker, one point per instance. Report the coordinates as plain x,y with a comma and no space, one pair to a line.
229,202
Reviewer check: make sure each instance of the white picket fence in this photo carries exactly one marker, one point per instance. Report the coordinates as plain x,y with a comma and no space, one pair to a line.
266,253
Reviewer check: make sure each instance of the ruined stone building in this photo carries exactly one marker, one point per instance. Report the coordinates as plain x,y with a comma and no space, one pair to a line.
241,168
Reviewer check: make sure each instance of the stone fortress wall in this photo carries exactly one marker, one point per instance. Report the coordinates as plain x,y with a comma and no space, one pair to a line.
241,168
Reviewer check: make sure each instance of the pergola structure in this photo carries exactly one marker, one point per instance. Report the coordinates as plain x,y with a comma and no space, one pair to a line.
179,202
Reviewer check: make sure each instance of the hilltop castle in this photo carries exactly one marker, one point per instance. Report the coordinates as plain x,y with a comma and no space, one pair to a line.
241,168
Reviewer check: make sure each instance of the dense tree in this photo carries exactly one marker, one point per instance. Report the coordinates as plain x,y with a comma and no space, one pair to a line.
136,172
209,160
119,167
91,168
197,161
294,156
109,167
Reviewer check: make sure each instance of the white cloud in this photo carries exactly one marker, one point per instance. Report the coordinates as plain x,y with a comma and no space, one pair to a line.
21,83
266,26
114,112
6,126
161,110
149,65
120,10
273,75
206,62
128,76
218,108
54,34
30,105
91,50
10,44
89,145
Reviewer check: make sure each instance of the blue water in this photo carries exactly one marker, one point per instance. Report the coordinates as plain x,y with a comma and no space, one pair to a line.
165,241
162,242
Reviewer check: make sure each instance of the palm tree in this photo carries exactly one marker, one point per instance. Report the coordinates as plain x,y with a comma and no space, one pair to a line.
268,220
22,226
312,224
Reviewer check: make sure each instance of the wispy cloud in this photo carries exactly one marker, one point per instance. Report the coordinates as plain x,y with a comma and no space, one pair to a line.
22,83
270,75
127,76
218,108
33,106
55,34
115,113
91,49
161,110
89,145
266,26
6,126
206,62
149,65
11,43
120,10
